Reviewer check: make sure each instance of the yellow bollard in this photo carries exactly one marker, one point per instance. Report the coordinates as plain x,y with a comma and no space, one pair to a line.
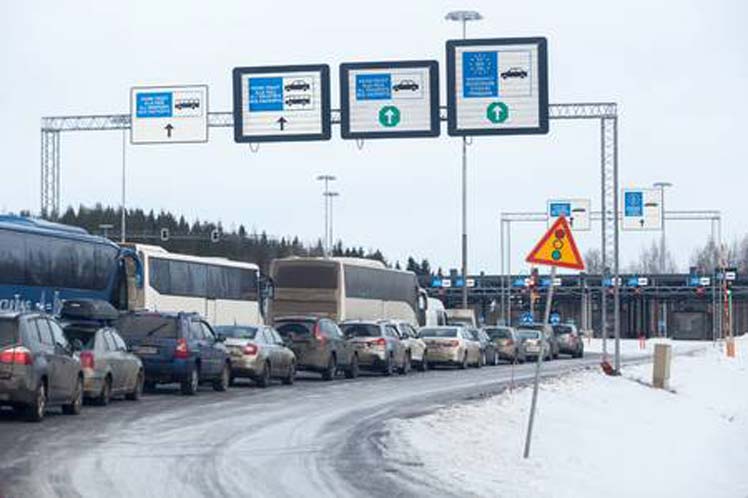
731,348
661,368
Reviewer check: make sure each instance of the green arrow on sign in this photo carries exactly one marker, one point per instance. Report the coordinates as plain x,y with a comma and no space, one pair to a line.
497,112
389,116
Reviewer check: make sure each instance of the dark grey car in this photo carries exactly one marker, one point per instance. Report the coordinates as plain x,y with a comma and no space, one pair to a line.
319,346
378,346
38,367
489,355
508,346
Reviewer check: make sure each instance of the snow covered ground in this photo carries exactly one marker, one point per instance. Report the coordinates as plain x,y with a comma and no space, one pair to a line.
631,347
595,436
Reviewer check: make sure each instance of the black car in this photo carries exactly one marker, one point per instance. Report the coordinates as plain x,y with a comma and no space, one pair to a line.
297,85
38,367
514,72
177,347
302,100
406,85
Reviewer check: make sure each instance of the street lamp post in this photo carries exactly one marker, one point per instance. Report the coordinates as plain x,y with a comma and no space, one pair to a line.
662,186
464,16
327,179
331,196
662,329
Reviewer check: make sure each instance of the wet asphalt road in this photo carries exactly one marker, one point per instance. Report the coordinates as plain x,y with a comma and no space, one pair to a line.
311,439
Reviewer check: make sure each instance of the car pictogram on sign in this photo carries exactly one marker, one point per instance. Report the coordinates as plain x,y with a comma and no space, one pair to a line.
406,85
514,72
292,101
298,85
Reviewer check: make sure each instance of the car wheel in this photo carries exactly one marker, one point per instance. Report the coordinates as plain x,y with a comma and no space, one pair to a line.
464,363
332,367
149,386
481,360
106,392
35,411
263,380
74,407
388,366
189,386
137,391
352,371
222,384
291,375
424,365
406,365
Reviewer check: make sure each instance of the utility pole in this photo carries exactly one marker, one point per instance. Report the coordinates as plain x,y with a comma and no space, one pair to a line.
327,179
123,237
663,251
464,16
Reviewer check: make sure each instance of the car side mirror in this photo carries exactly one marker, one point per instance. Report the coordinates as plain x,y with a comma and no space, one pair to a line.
76,345
220,338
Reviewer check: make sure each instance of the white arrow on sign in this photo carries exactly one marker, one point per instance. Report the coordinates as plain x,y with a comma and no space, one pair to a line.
390,115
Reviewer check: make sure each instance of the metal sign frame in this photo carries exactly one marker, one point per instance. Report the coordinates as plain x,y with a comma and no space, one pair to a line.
137,89
543,115
325,113
345,116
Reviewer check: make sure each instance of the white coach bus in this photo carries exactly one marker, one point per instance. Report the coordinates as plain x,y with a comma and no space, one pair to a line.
225,292
345,289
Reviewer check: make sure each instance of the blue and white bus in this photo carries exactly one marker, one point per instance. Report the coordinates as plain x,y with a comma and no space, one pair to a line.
44,263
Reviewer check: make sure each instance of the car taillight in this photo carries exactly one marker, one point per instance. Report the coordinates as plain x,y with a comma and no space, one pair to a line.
87,359
379,343
509,342
250,349
318,334
16,356
181,351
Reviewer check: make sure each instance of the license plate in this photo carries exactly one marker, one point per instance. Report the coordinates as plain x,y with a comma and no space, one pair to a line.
147,350
235,352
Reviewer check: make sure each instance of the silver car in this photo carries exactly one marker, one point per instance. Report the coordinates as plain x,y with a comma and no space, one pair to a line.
508,345
451,345
378,346
534,341
258,352
414,344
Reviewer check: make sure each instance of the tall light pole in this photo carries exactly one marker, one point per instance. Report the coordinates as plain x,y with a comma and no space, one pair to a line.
663,251
331,196
464,16
327,179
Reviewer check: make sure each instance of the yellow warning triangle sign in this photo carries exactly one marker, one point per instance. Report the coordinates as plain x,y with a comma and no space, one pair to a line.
557,248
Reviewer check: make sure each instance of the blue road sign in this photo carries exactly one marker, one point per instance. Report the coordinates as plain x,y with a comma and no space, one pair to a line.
480,74
560,209
459,282
545,282
519,282
376,86
436,282
265,94
526,317
555,318
633,282
633,204
154,105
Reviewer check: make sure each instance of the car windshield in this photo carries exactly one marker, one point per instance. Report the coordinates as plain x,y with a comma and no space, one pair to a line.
8,332
528,334
286,329
142,326
237,332
86,335
499,333
562,329
433,332
360,330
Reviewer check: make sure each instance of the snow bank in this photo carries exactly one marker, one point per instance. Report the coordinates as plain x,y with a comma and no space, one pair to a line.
631,347
595,436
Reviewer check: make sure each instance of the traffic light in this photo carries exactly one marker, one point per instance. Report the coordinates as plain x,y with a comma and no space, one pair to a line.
164,235
215,236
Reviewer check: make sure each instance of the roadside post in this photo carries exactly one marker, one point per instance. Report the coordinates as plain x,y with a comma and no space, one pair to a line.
555,249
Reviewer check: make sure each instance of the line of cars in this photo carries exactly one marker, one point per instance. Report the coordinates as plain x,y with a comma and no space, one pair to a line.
95,353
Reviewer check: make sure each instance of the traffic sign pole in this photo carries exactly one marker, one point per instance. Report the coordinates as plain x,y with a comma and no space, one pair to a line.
539,364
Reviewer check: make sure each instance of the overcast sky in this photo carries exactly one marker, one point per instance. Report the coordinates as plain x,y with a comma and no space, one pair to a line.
678,69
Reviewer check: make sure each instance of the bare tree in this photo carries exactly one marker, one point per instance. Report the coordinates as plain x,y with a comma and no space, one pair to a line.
593,260
649,261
